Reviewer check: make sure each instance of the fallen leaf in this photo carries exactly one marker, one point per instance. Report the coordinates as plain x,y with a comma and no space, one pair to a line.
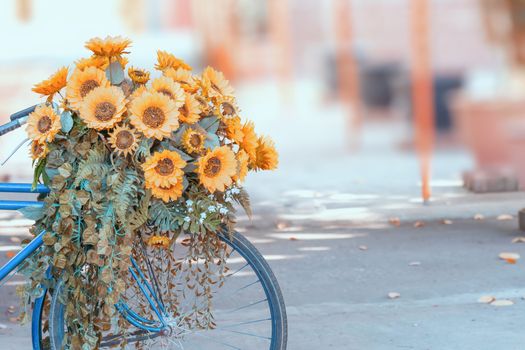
10,254
394,221
511,258
281,225
478,217
503,302
518,240
363,247
393,295
504,217
486,299
414,263
419,224
292,238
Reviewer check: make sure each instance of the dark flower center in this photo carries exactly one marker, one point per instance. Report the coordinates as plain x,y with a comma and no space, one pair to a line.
38,149
213,167
105,111
227,108
87,86
124,139
166,92
184,110
195,140
165,167
153,117
44,124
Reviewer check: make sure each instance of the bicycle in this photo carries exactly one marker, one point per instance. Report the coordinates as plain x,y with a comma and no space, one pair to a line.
249,306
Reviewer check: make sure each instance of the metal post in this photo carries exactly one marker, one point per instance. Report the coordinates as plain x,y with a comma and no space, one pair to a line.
422,94
347,69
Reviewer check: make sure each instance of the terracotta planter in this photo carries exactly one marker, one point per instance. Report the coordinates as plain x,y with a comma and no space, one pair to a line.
515,130
482,128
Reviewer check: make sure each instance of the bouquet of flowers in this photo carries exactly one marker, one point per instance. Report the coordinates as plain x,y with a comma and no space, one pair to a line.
132,158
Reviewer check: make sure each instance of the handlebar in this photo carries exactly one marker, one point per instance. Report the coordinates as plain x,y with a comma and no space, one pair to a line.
17,120
23,113
12,125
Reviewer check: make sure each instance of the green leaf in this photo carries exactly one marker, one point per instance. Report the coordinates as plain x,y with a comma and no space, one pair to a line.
32,212
51,172
210,124
39,169
212,141
177,135
115,73
66,121
190,167
183,155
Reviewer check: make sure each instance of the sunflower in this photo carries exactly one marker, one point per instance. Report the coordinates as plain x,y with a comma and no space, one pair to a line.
108,47
123,140
163,169
183,77
38,149
53,84
154,114
166,60
103,107
93,61
214,84
159,241
82,82
216,169
233,129
169,88
204,105
193,140
168,193
226,107
242,166
139,76
266,155
43,124
249,141
190,110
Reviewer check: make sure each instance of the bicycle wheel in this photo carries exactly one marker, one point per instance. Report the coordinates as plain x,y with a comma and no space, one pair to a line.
247,307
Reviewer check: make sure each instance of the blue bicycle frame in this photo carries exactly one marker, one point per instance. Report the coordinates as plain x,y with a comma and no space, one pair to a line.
29,249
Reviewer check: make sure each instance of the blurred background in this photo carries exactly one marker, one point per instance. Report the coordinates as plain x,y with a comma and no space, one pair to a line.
375,99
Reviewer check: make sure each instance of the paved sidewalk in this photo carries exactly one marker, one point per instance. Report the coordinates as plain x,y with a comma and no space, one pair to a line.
336,291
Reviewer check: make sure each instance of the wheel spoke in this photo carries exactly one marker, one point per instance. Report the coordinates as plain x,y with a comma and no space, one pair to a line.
244,323
248,305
